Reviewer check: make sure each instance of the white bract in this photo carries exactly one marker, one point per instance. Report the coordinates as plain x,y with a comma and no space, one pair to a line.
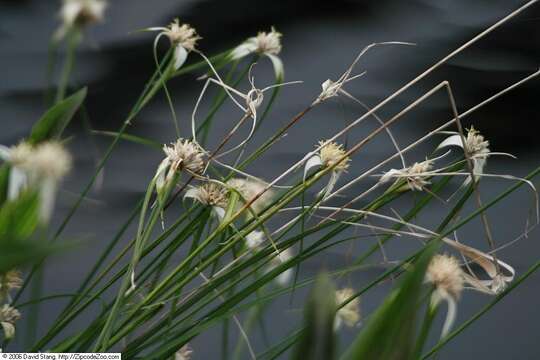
183,39
477,148
329,154
266,44
348,314
41,167
80,13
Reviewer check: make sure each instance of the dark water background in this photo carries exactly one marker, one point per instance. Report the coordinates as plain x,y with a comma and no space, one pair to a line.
320,40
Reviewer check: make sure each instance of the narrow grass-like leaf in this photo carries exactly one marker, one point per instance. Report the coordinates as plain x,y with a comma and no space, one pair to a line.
54,121
318,341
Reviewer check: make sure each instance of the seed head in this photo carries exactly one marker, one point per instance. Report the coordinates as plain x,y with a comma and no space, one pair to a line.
249,188
445,273
183,35
350,313
185,154
331,153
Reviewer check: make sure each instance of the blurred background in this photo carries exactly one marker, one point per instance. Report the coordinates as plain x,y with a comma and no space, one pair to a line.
321,38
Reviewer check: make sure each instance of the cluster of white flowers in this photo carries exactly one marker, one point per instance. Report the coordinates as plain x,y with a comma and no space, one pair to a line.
80,13
330,154
249,189
266,44
183,39
445,273
476,147
210,194
39,167
449,279
349,314
182,155
416,176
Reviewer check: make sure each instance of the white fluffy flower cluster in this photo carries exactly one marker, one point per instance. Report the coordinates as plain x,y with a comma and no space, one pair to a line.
349,314
183,39
266,44
182,155
416,176
40,167
80,13
330,154
477,148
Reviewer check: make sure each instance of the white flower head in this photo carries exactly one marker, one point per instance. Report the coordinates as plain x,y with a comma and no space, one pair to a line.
185,154
184,353
39,166
49,160
266,44
183,35
80,13
477,148
415,175
445,273
20,154
330,154
210,194
8,316
182,155
348,314
183,39
249,189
